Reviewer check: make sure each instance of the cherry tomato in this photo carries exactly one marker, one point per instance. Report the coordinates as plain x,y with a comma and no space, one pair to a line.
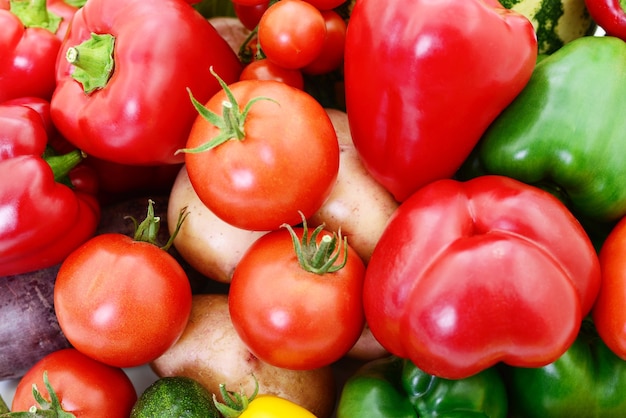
265,69
331,56
326,4
84,386
608,312
120,301
248,2
289,316
250,15
281,158
291,33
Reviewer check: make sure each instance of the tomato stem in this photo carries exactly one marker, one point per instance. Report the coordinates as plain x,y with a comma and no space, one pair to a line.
46,409
230,123
318,258
148,229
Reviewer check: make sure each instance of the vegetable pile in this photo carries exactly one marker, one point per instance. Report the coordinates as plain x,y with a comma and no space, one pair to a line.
313,208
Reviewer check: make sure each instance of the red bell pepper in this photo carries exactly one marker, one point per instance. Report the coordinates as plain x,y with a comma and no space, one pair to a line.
424,79
23,131
609,15
47,206
123,75
469,274
29,43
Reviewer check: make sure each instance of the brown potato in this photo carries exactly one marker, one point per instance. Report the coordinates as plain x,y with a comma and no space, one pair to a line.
211,352
210,245
358,204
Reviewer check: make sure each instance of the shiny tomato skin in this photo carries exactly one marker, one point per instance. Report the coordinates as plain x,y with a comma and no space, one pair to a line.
250,15
326,4
120,301
292,318
291,33
331,56
287,162
265,69
608,312
84,386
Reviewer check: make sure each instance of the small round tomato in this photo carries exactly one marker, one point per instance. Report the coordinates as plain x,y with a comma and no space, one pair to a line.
326,4
608,312
248,2
250,15
290,312
121,301
331,56
291,33
84,386
265,69
274,155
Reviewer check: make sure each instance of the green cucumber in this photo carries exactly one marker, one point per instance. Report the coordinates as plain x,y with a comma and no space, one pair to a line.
556,22
175,396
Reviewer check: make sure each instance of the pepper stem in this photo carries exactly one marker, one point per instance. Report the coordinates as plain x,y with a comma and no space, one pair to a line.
318,258
235,403
61,165
93,61
35,14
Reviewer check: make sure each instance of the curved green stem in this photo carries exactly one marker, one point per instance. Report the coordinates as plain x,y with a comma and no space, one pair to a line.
35,14
230,123
93,61
148,229
318,258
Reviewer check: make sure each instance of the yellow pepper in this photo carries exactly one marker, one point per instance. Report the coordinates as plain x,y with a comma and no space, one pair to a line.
262,406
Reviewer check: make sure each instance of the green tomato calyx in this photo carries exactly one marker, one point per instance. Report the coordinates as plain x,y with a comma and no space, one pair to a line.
230,123
318,258
148,229
46,409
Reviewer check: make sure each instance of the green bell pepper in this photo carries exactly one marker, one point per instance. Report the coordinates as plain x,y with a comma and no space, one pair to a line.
588,381
566,131
392,387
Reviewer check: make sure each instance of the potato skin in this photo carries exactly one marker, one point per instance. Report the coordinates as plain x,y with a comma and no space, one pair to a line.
210,245
211,352
358,204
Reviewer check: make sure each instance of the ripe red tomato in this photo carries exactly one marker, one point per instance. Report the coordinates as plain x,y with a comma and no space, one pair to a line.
250,15
265,69
608,312
84,386
331,56
291,33
286,161
248,2
120,301
290,317
326,4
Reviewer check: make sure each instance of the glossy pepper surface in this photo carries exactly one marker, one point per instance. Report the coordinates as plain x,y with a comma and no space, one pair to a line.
466,275
610,15
29,46
588,380
123,73
47,202
392,387
566,130
421,85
